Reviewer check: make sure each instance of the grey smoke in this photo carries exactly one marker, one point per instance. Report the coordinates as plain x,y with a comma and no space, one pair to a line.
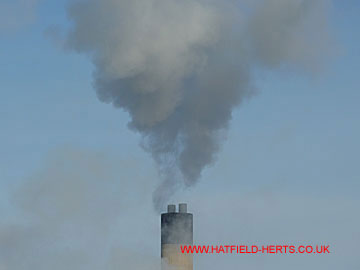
180,67
67,216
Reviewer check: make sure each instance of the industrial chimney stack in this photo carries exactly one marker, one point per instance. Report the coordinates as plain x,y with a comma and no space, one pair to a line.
176,230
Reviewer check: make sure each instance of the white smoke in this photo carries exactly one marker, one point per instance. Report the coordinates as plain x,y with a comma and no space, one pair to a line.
179,67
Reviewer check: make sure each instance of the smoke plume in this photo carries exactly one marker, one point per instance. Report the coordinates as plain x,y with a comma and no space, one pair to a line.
180,67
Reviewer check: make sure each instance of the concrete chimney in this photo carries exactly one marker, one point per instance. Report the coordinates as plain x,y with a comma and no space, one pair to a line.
176,230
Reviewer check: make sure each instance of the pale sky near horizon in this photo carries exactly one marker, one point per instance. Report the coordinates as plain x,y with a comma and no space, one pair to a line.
294,146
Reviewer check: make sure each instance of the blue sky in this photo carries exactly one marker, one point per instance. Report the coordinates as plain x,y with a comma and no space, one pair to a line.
298,136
